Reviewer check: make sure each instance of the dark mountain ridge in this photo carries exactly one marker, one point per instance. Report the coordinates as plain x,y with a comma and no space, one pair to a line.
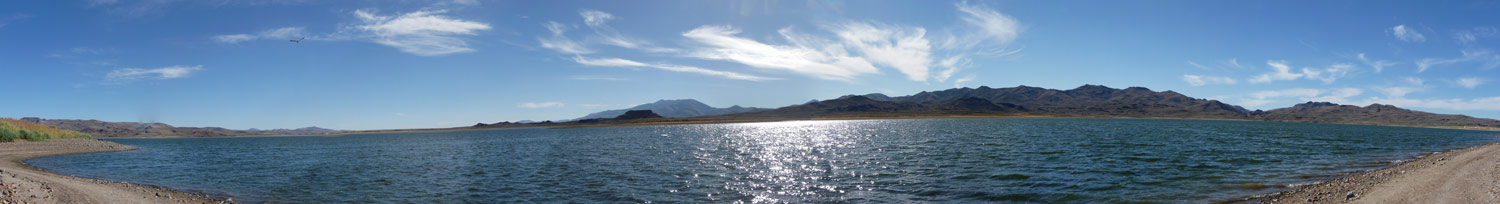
681,108
1102,101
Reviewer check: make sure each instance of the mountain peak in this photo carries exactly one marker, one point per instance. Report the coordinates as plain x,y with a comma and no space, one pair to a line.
675,108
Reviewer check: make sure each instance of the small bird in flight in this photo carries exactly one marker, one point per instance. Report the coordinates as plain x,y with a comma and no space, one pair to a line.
299,40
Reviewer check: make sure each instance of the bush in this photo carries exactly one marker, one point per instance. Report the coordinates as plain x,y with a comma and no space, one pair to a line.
12,130
7,134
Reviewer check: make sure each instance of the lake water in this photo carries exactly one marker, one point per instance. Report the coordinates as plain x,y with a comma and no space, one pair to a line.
859,161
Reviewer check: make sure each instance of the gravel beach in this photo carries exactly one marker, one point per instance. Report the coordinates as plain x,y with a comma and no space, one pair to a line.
20,183
1469,175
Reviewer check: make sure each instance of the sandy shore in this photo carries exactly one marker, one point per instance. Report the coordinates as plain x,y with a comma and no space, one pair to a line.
1470,175
20,183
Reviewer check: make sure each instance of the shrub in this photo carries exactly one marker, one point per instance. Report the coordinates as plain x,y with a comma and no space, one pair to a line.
12,129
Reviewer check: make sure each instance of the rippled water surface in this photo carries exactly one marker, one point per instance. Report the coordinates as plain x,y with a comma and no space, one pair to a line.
927,160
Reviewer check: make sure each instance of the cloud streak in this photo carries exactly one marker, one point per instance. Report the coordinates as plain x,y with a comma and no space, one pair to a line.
1469,82
617,62
831,62
425,33
126,75
1196,80
287,33
1486,59
560,43
1406,34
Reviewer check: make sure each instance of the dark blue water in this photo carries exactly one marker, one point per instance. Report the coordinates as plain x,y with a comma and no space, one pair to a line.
928,160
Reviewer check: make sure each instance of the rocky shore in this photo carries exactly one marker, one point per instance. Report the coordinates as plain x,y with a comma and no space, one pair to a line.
20,183
1469,175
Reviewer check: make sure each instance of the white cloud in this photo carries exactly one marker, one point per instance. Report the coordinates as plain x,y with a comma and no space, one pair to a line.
1282,72
617,62
561,43
960,81
1407,34
1196,80
595,20
286,33
818,59
1487,60
1412,85
540,105
126,75
951,65
595,17
1473,35
424,33
1469,82
903,48
1328,74
13,18
992,24
1379,65
1228,64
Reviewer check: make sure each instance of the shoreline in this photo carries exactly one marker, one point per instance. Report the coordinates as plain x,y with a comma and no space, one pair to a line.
699,121
22,183
1462,175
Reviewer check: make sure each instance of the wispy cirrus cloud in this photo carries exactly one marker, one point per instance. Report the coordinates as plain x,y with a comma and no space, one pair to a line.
1196,80
831,62
617,62
13,18
127,75
1406,34
1486,59
1469,82
1227,64
541,105
900,47
596,21
1379,65
854,48
286,33
425,33
1282,71
1472,35
560,43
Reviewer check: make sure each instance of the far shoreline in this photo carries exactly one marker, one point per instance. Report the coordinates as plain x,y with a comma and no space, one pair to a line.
713,120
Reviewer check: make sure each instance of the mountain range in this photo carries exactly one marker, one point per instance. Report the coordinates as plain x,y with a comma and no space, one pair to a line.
102,129
681,108
1020,101
1097,101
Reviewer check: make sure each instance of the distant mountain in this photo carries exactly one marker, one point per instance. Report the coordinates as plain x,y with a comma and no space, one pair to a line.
1100,101
682,108
1090,100
102,129
306,130
1373,114
873,96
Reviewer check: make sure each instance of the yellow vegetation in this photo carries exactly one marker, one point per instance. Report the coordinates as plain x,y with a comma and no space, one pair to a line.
12,129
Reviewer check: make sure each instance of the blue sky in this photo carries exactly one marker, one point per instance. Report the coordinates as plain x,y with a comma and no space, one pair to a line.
417,64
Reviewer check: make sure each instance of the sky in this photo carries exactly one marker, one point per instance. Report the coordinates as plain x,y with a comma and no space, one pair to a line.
363,65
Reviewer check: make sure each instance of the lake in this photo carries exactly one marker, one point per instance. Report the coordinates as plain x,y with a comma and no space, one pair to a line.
853,161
